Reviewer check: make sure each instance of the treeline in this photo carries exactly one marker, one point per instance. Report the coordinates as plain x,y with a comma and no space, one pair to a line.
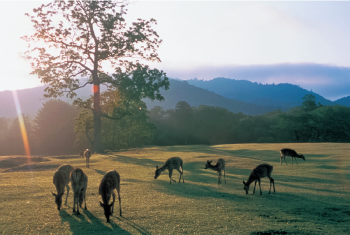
61,128
213,125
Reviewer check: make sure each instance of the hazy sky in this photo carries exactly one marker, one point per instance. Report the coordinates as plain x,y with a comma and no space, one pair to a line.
209,39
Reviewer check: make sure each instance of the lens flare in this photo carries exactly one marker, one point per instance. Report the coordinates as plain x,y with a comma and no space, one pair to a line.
21,124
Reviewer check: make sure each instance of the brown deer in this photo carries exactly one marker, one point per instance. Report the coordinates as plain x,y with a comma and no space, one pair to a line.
87,155
61,181
109,182
219,167
81,154
291,153
79,184
259,172
170,164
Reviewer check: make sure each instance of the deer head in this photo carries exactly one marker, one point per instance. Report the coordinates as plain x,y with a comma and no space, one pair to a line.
207,165
107,210
246,187
58,199
157,173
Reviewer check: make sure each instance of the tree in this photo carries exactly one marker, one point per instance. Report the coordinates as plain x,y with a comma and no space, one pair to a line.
309,103
82,37
54,128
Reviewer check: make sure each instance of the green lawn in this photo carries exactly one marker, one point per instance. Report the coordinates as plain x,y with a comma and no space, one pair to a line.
311,198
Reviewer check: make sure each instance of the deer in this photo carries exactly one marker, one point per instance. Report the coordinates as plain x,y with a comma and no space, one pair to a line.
219,167
79,182
291,153
61,180
170,164
81,154
109,182
261,171
87,155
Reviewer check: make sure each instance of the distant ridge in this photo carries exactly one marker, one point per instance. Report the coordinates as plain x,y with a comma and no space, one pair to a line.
235,95
283,95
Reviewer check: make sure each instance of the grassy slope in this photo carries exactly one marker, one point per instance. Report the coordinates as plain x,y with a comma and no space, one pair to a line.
310,198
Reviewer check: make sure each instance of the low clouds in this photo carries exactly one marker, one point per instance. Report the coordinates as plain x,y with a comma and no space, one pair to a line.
331,82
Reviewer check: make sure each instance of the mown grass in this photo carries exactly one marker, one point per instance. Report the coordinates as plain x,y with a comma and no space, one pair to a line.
311,198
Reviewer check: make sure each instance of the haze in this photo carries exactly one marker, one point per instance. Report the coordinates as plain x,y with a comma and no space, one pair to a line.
210,39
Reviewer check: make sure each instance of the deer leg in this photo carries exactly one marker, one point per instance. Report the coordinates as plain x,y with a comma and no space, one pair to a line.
180,175
170,174
296,161
84,196
273,182
224,176
120,202
67,193
254,187
270,184
113,194
260,187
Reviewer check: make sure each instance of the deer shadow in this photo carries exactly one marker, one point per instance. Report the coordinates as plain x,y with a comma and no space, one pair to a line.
79,225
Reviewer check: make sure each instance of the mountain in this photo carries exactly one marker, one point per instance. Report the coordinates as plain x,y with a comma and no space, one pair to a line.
195,96
235,95
31,100
343,101
284,95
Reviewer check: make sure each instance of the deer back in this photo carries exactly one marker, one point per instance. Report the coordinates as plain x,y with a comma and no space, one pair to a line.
109,182
288,152
262,170
87,153
79,179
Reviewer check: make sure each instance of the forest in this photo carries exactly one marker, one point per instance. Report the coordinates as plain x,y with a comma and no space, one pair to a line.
61,128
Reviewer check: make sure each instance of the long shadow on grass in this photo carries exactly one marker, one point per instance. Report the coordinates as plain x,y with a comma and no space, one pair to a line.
79,225
136,161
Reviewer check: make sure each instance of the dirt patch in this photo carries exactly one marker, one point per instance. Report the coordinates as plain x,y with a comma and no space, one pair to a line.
66,156
32,168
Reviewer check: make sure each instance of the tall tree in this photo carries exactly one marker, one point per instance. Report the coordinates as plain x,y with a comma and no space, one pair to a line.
82,37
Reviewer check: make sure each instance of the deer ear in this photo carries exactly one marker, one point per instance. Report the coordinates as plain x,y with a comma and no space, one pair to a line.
54,194
101,204
243,182
157,167
210,161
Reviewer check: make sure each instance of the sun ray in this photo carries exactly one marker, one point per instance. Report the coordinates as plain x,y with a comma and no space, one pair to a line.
21,124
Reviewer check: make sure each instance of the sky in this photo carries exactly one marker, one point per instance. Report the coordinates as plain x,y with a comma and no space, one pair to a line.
304,43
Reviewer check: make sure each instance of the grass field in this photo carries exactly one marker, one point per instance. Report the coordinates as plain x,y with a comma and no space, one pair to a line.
311,198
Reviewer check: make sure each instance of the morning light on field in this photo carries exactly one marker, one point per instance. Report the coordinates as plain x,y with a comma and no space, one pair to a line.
211,117
311,197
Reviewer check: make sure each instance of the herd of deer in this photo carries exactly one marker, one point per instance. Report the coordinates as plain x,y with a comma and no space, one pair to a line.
111,180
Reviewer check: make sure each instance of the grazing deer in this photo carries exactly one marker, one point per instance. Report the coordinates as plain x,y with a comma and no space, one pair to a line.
81,154
219,167
291,153
87,154
79,184
109,182
257,173
170,164
61,180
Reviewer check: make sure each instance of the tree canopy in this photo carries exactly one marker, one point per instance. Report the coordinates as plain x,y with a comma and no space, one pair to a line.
90,39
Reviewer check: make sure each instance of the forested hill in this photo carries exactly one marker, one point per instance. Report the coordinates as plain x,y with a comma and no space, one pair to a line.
234,95
195,96
284,95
